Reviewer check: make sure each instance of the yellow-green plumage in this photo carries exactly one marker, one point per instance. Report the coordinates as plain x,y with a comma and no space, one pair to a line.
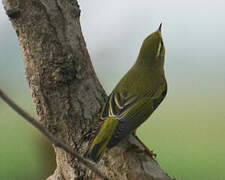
134,99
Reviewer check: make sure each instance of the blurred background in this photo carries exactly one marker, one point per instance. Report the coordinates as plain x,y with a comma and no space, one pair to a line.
187,131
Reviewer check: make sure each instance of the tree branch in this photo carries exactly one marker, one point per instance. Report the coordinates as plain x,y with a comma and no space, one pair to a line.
52,138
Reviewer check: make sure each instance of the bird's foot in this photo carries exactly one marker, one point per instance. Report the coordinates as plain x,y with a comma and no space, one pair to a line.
151,153
146,149
137,149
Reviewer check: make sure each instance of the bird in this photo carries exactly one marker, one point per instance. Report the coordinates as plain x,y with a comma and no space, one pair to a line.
134,98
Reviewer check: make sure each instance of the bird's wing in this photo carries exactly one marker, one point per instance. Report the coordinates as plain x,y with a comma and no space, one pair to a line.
117,104
131,111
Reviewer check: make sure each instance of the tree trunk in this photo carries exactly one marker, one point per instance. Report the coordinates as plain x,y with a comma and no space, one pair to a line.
65,90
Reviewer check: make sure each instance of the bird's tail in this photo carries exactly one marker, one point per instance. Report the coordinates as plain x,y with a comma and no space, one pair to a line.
101,140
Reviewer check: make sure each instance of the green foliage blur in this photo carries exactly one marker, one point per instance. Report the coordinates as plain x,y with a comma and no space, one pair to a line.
187,131
25,153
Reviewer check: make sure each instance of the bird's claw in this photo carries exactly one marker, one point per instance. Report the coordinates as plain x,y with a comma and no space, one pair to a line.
151,153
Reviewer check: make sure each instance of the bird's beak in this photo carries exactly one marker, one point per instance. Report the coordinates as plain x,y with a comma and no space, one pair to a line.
160,26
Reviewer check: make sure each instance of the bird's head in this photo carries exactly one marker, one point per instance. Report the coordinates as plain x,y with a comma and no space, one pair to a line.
152,49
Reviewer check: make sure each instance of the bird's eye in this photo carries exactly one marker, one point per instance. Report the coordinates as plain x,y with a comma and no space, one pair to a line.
162,42
160,49
162,46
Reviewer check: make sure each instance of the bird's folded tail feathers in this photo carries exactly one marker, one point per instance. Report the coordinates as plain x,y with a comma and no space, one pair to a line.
101,140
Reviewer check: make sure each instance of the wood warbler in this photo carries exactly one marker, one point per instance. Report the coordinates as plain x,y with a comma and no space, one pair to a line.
134,98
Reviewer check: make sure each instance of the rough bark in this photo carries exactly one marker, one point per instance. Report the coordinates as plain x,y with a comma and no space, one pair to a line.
65,90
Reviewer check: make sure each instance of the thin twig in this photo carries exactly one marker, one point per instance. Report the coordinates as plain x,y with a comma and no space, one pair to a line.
52,138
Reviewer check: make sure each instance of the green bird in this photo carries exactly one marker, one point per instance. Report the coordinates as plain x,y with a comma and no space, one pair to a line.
134,98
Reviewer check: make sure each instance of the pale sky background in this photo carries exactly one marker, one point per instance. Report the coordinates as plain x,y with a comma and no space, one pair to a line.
191,118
